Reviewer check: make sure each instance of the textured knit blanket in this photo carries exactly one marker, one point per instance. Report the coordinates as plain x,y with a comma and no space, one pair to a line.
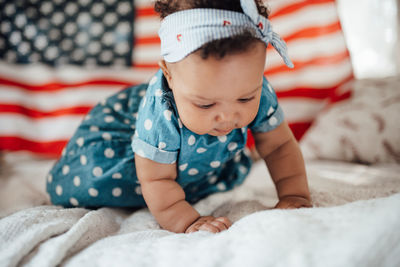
354,222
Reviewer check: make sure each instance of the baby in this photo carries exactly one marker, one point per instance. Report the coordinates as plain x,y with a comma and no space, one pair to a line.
181,137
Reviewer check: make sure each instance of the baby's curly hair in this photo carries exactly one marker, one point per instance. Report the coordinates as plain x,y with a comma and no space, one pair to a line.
216,48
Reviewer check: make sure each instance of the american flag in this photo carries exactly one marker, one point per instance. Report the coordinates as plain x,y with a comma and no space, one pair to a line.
59,58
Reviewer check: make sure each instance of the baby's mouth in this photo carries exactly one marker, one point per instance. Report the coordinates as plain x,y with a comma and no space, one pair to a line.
223,131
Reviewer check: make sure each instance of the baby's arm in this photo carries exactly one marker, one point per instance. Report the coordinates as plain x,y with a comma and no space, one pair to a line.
284,160
166,199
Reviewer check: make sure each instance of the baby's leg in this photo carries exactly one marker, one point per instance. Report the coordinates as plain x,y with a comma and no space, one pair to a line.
97,167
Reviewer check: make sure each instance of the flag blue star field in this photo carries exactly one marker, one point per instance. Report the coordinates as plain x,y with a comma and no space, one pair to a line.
58,32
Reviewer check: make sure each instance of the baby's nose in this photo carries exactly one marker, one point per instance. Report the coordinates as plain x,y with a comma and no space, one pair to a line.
227,117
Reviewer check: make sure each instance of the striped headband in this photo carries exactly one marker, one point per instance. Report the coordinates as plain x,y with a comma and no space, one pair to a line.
183,32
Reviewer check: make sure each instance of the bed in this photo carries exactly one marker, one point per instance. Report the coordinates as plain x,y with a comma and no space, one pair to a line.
349,133
354,222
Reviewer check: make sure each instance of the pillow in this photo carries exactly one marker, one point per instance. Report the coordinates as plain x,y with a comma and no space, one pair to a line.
363,129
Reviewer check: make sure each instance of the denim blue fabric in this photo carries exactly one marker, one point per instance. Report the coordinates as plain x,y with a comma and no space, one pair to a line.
97,167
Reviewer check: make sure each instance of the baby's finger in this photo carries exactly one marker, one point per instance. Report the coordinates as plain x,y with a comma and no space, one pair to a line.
225,221
209,227
221,226
191,229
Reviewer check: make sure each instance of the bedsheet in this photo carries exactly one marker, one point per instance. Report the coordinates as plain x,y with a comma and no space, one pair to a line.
354,222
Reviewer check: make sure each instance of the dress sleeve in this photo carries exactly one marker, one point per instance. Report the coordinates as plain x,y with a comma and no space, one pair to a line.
157,135
270,114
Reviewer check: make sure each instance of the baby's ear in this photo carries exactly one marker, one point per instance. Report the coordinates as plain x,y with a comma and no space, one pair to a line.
165,70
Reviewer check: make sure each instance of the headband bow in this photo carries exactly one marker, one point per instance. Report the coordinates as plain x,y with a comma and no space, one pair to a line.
183,32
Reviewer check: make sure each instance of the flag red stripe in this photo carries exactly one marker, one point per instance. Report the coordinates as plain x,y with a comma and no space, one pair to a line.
145,12
147,40
38,114
50,149
312,93
146,66
54,148
297,6
309,32
299,128
300,92
56,86
317,61
312,32
149,11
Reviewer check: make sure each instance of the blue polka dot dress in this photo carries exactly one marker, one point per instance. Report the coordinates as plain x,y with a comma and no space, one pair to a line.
97,167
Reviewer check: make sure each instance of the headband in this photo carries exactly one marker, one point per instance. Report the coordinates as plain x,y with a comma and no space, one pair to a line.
183,32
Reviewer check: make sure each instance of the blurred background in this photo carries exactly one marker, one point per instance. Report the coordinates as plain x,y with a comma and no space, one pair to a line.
371,29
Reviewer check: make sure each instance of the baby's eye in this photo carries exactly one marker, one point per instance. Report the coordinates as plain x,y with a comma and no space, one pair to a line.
206,106
245,100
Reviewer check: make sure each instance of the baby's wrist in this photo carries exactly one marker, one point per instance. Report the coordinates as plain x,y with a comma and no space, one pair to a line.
178,217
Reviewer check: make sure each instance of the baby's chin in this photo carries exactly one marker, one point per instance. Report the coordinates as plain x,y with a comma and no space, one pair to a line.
212,132
216,132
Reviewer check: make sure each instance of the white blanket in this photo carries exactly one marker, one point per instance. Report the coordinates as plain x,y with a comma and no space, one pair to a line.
354,223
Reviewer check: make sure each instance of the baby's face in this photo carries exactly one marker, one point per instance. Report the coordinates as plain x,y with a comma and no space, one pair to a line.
216,96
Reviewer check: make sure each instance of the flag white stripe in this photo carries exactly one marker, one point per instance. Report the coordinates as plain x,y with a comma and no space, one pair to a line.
43,130
276,5
303,50
313,76
146,26
50,101
144,3
310,16
63,127
38,74
147,54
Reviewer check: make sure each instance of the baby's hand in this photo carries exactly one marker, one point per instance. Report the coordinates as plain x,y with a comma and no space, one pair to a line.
209,223
293,202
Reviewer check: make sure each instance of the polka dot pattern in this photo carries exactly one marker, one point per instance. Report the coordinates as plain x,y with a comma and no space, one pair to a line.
273,121
80,141
97,171
109,119
73,201
183,167
59,190
83,159
215,164
138,190
201,150
100,164
117,106
77,181
109,153
148,124
191,140
162,145
94,128
65,169
116,192
232,146
106,136
222,139
167,114
117,175
158,93
193,171
93,192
